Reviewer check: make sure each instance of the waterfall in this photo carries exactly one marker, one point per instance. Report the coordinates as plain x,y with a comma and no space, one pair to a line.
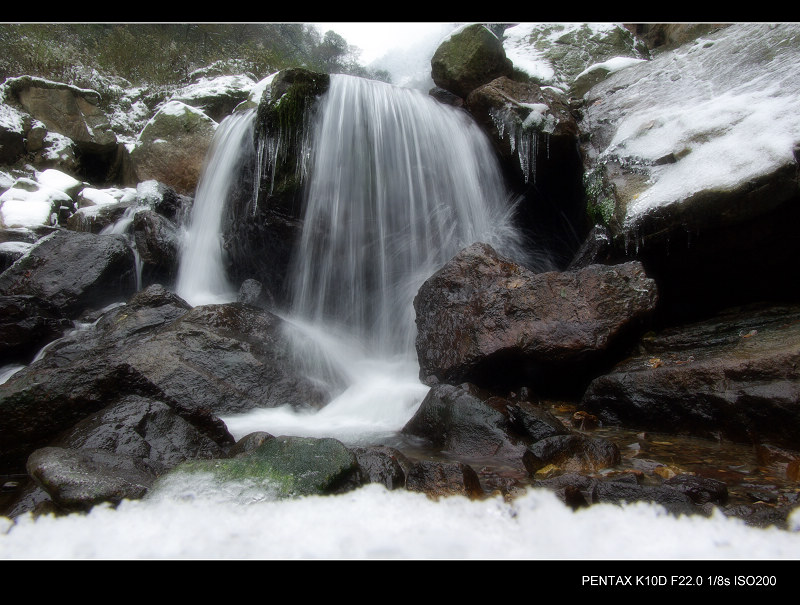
397,184
201,274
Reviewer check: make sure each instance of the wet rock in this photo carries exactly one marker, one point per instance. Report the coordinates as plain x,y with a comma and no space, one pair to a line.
382,464
444,479
163,199
144,429
456,419
27,323
90,369
74,271
252,292
526,123
572,453
584,421
484,319
225,358
618,492
535,422
248,443
735,374
93,219
596,249
469,58
12,143
290,466
158,244
700,489
579,490
80,479
260,234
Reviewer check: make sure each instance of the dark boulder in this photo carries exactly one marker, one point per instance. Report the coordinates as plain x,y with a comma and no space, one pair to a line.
143,429
259,234
382,464
252,292
484,319
74,271
534,422
80,479
438,479
225,358
734,375
700,489
572,453
157,241
457,420
27,323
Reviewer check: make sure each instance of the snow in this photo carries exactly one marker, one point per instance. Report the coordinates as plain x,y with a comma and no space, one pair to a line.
259,87
244,522
11,119
206,87
724,120
29,204
15,247
178,108
611,66
58,180
533,61
96,197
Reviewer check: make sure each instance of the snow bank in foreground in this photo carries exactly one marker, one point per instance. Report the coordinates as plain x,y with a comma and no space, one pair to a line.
374,523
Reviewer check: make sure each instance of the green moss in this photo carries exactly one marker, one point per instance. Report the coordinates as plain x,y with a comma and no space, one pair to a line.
601,204
292,466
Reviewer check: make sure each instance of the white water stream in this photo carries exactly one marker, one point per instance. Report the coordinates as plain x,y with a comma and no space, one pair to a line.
397,185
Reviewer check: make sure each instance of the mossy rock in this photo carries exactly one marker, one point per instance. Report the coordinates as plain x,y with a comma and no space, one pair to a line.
291,466
292,92
469,59
283,116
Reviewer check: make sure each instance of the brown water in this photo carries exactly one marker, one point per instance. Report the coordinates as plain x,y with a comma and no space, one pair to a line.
752,475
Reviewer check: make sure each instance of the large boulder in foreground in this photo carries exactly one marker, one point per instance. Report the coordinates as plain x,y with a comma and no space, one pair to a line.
201,363
74,271
484,319
469,58
735,375
79,479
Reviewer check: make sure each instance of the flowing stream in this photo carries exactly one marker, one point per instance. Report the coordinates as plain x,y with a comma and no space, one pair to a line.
397,184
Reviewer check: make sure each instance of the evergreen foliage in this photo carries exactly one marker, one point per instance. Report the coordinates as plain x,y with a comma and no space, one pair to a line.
165,53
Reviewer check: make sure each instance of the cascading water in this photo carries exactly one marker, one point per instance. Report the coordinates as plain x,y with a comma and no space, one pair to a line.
397,184
201,274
